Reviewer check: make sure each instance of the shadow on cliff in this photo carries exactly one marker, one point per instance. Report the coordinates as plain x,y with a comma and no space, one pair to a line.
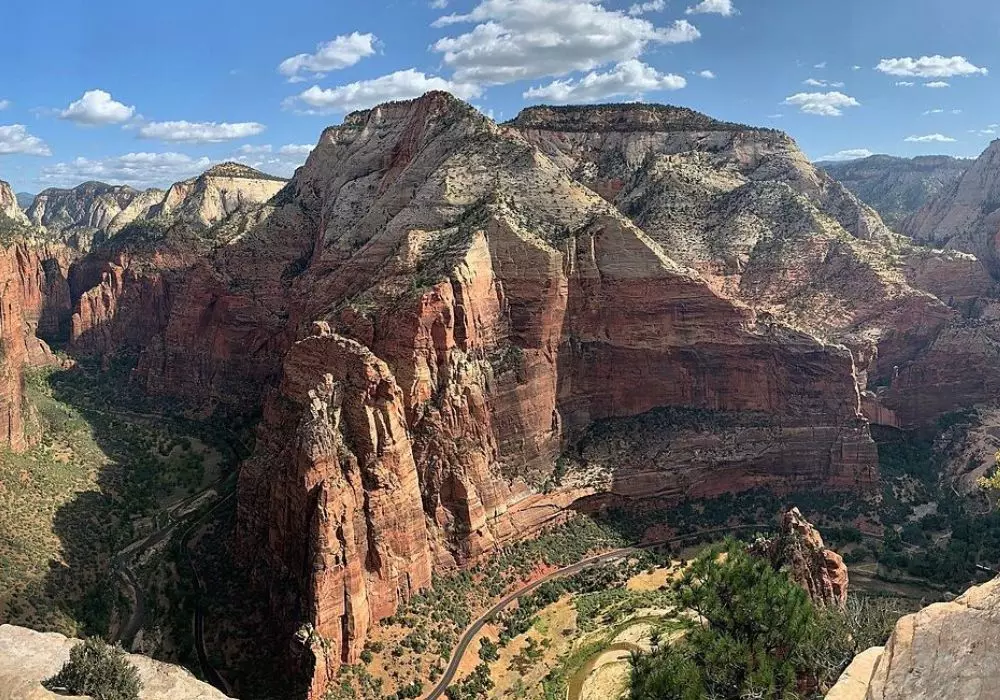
146,457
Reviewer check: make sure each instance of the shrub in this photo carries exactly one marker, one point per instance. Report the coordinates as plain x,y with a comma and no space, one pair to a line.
760,636
97,669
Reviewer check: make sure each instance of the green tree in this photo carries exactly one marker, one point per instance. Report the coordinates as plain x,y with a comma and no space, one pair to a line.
757,635
97,669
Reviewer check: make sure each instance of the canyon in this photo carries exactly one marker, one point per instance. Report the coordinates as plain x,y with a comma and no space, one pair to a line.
437,309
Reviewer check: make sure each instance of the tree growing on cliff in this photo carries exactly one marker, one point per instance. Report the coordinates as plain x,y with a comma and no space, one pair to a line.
100,670
756,635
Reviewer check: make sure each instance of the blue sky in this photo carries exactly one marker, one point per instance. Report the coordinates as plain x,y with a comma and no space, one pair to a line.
153,92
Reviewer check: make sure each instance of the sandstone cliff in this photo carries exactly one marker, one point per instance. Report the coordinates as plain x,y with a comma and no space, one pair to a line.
947,650
897,187
28,657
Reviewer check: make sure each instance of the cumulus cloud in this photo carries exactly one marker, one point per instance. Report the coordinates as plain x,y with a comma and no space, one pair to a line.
97,107
401,85
198,132
137,169
937,84
849,154
930,138
14,138
706,74
929,67
713,7
644,7
342,52
825,104
524,39
632,78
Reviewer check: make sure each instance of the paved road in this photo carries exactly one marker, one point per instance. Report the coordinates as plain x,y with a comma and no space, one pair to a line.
472,630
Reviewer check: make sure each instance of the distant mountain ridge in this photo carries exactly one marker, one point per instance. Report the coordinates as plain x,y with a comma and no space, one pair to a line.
24,199
84,215
897,187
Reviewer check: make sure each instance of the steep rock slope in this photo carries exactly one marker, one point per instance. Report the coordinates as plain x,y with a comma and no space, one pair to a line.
897,187
966,215
28,657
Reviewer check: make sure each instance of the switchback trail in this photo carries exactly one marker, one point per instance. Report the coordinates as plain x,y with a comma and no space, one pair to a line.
473,629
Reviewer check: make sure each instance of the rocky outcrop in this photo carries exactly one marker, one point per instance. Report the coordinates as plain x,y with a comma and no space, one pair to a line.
947,650
798,549
897,187
28,657
9,206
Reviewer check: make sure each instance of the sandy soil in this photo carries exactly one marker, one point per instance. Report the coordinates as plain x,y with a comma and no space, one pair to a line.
609,681
557,624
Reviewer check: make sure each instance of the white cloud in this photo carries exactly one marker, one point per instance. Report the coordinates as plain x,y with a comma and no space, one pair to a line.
97,107
956,111
249,149
138,169
775,116
630,78
344,51
439,4
825,104
930,138
4,104
14,138
822,83
199,132
296,149
706,74
524,39
820,65
849,154
713,7
855,67
937,84
933,111
282,161
929,67
401,85
904,83
644,7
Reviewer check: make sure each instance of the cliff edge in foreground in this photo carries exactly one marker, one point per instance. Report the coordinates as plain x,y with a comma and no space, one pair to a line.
28,657
947,650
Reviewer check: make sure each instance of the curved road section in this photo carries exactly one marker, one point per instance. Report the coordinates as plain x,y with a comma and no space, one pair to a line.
473,630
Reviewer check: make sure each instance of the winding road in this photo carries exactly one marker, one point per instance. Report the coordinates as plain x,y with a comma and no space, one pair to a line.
476,627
